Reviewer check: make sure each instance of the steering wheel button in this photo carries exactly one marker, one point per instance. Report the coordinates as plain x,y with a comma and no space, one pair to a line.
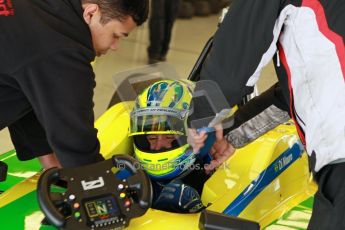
127,203
76,205
122,195
77,215
120,186
71,197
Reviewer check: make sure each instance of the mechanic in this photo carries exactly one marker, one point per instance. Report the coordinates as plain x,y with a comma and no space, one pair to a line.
306,39
46,80
158,124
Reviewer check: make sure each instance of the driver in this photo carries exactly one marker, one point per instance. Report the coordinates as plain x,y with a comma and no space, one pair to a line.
158,127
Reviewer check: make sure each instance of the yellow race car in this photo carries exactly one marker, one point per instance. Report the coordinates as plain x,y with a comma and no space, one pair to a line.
268,182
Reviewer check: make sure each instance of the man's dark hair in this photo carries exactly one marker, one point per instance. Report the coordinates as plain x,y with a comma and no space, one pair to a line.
121,9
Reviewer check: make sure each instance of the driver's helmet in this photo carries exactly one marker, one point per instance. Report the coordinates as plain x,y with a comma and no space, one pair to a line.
162,108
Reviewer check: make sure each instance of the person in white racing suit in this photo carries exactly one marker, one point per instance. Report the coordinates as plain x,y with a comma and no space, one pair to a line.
305,38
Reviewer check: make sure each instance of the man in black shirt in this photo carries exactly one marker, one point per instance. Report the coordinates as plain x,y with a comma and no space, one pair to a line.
46,80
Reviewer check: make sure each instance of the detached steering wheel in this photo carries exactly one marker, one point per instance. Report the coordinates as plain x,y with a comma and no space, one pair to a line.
95,198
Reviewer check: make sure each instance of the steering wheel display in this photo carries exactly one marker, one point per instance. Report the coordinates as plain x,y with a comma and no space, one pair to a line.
95,198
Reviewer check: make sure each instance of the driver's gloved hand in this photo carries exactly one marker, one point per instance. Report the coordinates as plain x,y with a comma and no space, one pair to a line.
178,197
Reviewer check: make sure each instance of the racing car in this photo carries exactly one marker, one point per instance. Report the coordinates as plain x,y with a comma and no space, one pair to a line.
267,182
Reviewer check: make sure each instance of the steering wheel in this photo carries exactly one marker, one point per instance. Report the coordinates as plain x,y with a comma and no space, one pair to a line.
95,197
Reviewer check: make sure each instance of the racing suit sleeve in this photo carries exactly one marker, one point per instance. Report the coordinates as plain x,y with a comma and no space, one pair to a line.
59,86
258,116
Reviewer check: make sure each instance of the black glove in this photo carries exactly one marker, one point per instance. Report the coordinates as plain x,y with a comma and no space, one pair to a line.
178,197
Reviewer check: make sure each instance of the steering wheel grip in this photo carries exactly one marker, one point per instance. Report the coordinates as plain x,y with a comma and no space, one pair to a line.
121,161
43,193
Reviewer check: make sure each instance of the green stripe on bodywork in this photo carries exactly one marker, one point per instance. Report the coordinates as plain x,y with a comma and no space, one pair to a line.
23,213
17,170
296,218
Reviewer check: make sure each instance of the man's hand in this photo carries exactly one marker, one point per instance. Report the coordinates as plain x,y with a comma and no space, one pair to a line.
196,140
49,161
220,151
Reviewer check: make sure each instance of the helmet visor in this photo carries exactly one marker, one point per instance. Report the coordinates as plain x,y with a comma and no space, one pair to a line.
157,120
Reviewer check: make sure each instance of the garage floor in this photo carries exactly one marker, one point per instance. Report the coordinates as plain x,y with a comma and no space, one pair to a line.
189,37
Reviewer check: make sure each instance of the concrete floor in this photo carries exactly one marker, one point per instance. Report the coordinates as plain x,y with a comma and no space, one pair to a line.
189,37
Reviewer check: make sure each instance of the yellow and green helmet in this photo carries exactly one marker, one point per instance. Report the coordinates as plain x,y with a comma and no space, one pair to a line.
162,108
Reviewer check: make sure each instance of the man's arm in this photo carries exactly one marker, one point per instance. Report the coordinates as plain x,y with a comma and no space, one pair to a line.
244,43
59,87
258,116
252,120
